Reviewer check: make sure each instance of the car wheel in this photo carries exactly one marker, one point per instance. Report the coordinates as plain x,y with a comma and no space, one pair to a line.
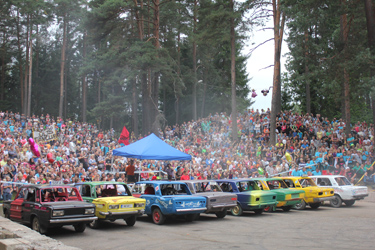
237,210
286,209
36,226
7,214
301,205
337,201
80,228
221,214
258,211
349,203
131,221
315,205
94,224
158,217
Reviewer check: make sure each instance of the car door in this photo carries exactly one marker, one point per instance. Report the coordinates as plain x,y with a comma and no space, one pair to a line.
149,195
28,203
16,205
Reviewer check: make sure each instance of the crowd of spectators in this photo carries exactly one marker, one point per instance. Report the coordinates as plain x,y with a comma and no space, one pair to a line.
307,144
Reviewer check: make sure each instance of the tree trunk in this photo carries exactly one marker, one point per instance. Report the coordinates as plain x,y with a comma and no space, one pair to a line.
26,67
204,92
2,73
307,72
233,75
30,75
84,82
20,61
344,30
194,91
278,23
370,22
134,108
62,68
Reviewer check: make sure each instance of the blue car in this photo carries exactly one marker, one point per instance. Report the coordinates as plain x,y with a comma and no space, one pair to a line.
165,198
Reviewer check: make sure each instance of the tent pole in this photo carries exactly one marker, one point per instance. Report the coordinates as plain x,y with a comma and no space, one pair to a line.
112,164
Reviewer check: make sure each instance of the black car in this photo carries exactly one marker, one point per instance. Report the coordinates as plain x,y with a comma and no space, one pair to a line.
48,206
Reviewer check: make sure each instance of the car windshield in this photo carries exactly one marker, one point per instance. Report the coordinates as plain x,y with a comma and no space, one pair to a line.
307,183
53,194
276,184
210,186
110,190
342,181
244,186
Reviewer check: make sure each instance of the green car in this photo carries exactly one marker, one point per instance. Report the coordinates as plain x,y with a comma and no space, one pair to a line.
113,201
286,197
250,197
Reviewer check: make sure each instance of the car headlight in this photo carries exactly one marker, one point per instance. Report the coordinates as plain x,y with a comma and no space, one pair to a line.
100,205
113,206
139,204
58,213
89,210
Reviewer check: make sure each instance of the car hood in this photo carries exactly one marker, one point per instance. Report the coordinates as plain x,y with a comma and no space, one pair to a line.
215,194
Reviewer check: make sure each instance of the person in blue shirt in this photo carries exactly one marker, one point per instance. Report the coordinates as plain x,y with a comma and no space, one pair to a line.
316,172
296,172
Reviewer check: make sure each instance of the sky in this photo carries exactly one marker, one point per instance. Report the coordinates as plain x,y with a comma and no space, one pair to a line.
261,58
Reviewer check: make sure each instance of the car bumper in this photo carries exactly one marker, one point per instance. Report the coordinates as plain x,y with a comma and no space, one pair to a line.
73,220
253,206
218,208
191,210
316,200
359,196
119,214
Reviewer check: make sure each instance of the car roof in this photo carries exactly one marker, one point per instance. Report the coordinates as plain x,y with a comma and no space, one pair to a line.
198,181
160,182
100,183
334,176
235,180
47,186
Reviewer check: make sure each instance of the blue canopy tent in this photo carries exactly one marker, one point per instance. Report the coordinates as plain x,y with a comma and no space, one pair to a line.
151,148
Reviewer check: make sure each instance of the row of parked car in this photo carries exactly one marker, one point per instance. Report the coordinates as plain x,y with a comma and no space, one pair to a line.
90,203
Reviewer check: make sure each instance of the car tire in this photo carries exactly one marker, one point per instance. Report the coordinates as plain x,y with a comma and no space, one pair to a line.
158,217
349,203
80,228
7,214
221,214
301,205
131,221
286,209
337,201
95,224
259,211
315,205
36,226
237,210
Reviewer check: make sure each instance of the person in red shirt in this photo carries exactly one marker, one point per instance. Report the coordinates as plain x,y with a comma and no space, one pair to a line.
185,176
130,172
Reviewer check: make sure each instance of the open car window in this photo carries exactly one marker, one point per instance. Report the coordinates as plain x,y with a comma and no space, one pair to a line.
276,184
61,194
244,186
210,186
110,190
289,183
174,189
342,181
226,187
323,182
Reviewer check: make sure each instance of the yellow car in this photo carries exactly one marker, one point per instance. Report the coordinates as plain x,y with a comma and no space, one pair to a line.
113,201
314,195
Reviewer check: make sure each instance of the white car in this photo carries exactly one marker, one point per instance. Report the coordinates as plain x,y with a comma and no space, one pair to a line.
344,190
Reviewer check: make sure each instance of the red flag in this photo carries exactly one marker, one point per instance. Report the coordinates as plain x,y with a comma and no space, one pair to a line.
124,137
